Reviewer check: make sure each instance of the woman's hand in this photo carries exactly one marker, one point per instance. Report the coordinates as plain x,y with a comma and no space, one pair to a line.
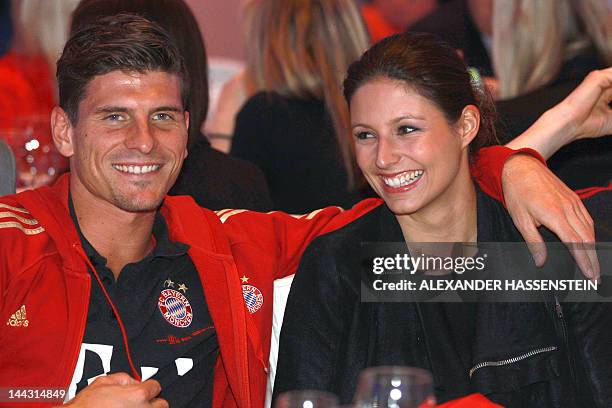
588,106
585,113
535,197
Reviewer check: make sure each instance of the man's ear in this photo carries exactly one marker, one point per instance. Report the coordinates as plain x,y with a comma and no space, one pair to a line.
62,132
469,123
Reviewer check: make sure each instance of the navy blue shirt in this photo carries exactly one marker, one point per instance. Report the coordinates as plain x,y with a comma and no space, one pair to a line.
170,332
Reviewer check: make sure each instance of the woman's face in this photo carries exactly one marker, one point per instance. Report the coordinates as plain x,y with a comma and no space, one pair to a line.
405,147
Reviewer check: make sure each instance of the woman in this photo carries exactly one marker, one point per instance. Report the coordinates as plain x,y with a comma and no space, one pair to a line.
296,127
538,44
541,51
417,121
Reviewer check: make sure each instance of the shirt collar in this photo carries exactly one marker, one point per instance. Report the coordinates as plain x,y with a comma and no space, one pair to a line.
163,246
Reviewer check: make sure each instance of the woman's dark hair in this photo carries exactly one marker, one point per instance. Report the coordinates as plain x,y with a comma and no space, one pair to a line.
435,70
175,17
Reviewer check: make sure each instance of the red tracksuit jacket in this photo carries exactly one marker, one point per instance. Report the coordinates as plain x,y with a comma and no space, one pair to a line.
44,274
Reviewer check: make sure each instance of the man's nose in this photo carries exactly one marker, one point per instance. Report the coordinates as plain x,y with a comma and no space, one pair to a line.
142,137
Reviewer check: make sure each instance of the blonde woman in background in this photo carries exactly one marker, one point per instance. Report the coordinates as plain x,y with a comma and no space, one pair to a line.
541,51
524,44
534,42
262,44
295,128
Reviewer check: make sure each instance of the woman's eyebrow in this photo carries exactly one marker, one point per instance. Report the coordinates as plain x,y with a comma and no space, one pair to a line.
407,116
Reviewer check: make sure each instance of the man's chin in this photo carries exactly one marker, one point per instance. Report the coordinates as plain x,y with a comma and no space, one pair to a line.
139,204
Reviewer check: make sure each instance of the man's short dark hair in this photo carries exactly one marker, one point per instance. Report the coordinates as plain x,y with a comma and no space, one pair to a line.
176,18
124,42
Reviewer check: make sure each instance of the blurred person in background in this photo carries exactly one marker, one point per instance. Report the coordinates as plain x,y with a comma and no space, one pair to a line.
466,25
382,18
6,26
7,170
296,127
532,54
387,17
540,43
493,36
39,31
541,52
214,179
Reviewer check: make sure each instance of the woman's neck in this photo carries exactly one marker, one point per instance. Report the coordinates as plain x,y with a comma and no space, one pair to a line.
451,217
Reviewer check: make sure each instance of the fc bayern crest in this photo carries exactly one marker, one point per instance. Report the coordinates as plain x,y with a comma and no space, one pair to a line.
175,308
252,297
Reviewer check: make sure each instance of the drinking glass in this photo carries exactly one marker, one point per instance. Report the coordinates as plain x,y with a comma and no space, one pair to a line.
306,399
37,161
394,387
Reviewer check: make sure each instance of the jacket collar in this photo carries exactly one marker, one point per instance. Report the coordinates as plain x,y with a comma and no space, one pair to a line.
493,222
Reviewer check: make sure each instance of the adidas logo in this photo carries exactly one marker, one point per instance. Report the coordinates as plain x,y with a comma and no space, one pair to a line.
18,318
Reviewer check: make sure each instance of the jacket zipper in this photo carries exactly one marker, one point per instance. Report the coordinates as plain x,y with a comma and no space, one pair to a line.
559,310
511,360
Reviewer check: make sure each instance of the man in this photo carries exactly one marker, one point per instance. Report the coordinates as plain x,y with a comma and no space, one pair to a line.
103,273
116,285
215,180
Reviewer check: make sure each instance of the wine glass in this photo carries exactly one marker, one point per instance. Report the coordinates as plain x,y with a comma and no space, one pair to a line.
36,158
306,399
394,387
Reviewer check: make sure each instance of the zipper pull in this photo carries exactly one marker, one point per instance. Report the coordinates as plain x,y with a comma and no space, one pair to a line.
558,308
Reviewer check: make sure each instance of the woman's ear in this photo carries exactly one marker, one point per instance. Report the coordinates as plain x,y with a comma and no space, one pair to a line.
62,131
469,123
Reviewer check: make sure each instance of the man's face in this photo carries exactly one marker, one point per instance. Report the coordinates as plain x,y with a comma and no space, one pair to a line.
129,141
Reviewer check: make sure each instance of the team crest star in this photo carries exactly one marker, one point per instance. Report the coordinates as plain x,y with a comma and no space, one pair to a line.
183,287
244,279
169,283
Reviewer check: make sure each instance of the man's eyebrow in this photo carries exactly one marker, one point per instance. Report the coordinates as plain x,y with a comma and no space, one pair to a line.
123,109
110,109
169,108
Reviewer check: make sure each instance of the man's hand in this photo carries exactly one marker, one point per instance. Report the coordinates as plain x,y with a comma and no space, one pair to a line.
535,196
119,391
